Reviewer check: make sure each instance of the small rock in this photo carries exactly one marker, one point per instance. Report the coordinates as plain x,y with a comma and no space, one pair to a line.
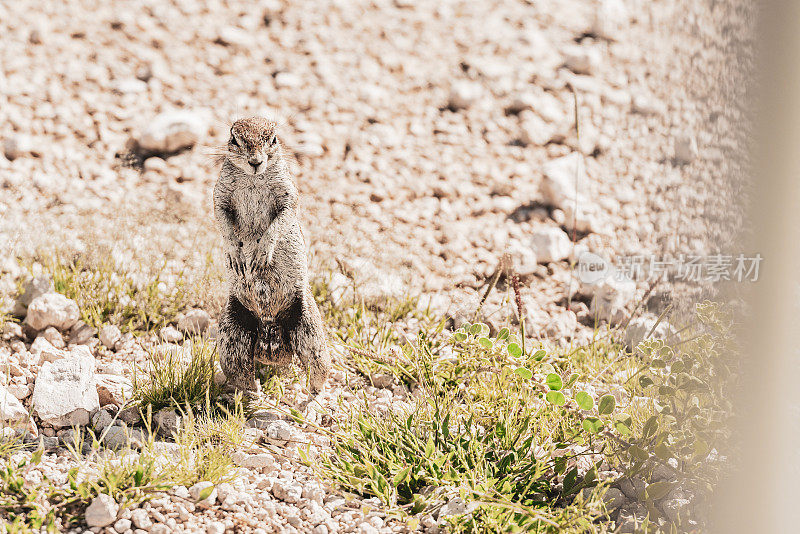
366,528
215,527
281,432
129,86
610,19
233,36
65,392
12,412
102,419
613,296
381,380
81,333
463,94
535,131
194,321
17,146
613,498
130,415
560,177
122,525
581,59
102,511
685,149
109,335
167,422
171,131
644,105
287,80
287,491
197,490
170,334
52,309
455,506
119,437
141,519
253,461
54,337
12,330
46,351
524,258
550,244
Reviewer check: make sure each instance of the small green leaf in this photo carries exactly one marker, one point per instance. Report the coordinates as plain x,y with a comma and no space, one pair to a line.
555,397
622,428
539,355
514,350
657,490
205,493
460,336
645,381
638,452
553,381
503,334
429,448
663,452
592,424
584,400
570,479
523,373
485,342
478,329
606,404
651,426
572,379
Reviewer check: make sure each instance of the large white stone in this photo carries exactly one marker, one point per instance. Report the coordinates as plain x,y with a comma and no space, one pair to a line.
65,391
173,130
52,309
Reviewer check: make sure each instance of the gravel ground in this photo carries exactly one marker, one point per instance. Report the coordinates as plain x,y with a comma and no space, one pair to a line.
432,139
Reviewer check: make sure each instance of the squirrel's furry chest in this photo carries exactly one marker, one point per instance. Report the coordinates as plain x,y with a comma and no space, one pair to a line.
252,211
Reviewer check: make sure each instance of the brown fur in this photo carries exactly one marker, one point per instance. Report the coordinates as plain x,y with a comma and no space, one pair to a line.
271,315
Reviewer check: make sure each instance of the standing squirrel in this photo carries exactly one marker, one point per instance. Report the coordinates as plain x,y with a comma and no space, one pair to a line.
271,314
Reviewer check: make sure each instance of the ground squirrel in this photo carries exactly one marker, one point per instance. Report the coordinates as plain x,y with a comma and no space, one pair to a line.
271,314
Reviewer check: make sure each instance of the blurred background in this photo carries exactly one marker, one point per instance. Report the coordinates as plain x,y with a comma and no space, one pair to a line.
431,137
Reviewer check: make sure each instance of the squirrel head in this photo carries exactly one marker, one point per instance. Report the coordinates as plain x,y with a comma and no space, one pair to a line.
254,146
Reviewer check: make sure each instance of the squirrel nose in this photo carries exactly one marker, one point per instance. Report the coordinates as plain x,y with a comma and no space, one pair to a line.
255,163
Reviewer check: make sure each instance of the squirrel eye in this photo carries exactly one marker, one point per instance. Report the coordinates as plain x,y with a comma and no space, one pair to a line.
233,141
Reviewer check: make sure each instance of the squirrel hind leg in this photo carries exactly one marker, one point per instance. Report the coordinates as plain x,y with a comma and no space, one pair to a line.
236,345
306,335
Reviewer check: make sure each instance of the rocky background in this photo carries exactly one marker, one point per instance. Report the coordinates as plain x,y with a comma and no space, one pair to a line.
433,140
